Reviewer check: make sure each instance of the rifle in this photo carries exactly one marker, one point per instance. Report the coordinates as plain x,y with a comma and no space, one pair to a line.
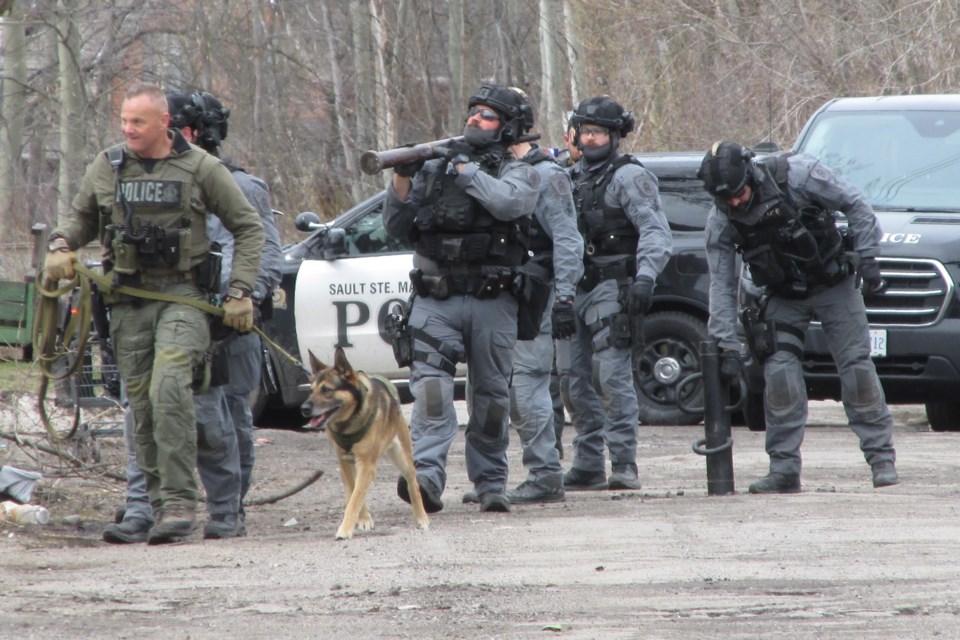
372,162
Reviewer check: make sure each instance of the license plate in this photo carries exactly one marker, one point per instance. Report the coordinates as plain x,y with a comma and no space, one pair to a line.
878,343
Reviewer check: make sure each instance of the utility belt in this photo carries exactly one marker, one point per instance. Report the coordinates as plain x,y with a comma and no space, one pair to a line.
802,283
505,247
478,285
594,274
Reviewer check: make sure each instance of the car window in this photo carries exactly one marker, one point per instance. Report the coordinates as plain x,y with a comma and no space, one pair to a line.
685,203
366,236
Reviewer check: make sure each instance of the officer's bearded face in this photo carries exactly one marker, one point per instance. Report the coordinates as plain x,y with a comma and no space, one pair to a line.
740,200
144,122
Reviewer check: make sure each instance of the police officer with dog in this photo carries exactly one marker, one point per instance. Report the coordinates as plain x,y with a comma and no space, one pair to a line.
147,200
628,243
778,213
466,215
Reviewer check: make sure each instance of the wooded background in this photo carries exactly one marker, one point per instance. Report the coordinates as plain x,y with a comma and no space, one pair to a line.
313,83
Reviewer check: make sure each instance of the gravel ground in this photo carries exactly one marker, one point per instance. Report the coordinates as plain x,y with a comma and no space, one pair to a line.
839,560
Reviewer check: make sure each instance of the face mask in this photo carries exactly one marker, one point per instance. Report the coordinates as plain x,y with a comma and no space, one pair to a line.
479,138
593,155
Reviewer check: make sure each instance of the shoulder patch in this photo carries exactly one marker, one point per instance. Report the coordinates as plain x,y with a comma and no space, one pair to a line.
645,184
821,173
560,183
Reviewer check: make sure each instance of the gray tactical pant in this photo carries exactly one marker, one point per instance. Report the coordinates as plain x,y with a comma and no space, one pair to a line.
603,401
841,311
218,455
531,407
137,503
244,357
486,331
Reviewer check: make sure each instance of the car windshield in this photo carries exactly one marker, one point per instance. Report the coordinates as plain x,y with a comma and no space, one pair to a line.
904,160
685,203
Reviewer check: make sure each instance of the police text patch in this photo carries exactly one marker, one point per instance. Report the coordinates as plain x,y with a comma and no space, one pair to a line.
156,193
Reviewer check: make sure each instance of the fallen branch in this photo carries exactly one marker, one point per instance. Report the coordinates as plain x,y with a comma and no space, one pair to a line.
277,497
66,456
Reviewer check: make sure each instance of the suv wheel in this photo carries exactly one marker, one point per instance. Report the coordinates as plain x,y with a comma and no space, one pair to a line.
943,416
671,353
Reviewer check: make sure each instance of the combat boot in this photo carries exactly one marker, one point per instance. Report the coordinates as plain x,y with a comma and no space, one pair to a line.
431,498
777,483
221,526
128,531
885,474
494,502
579,480
470,497
177,521
623,478
530,492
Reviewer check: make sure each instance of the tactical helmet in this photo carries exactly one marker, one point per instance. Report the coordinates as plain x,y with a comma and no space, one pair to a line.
725,169
603,111
516,114
201,112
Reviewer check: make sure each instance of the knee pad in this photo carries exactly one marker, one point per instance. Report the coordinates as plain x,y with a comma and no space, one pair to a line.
860,387
782,391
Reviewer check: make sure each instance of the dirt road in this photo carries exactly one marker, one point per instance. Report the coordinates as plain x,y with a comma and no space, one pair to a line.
839,560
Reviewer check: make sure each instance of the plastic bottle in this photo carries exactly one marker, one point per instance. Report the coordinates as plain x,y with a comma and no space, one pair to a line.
24,513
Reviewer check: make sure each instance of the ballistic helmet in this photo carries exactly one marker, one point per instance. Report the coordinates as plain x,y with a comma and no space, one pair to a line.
725,169
513,106
606,112
201,112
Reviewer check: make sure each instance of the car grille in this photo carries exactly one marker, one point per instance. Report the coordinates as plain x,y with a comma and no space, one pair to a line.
916,295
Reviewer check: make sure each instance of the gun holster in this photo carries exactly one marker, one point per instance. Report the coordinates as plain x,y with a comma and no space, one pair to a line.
401,338
761,336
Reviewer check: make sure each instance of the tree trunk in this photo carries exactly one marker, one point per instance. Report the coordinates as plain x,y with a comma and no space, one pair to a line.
575,56
551,72
71,105
455,32
13,111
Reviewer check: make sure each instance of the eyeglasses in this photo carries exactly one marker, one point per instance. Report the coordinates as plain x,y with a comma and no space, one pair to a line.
485,114
596,132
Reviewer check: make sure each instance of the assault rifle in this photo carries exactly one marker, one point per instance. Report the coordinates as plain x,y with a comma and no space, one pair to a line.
372,162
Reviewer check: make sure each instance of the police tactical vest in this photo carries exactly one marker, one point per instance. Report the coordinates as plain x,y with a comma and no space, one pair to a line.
161,206
789,249
453,228
606,230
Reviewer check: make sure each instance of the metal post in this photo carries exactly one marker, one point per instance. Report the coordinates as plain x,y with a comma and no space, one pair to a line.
718,445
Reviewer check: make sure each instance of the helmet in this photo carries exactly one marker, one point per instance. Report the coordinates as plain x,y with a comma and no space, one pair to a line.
725,169
606,112
201,112
513,106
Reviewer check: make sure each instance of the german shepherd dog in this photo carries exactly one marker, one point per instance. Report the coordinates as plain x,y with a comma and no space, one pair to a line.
362,418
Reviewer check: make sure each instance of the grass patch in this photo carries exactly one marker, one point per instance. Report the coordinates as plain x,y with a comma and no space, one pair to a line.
16,375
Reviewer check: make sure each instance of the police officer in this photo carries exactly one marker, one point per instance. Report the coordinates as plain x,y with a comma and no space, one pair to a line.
778,212
466,218
557,249
147,200
627,244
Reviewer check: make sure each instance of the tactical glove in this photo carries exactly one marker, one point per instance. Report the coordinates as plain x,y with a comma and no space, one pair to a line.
563,319
58,264
408,169
640,296
238,312
730,366
870,278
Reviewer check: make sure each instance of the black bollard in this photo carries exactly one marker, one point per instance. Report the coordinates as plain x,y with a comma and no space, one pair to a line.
717,446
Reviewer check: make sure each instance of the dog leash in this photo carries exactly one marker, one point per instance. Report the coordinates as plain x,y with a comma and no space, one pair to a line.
78,328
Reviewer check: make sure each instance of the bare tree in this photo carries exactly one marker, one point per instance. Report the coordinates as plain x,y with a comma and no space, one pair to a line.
72,103
13,113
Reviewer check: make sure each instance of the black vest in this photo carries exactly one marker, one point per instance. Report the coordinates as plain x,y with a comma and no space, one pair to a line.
790,247
453,228
606,230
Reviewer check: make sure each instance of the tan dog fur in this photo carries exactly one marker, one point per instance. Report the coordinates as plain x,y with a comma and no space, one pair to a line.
333,405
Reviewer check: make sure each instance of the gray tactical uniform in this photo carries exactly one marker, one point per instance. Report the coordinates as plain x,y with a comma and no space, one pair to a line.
531,405
481,331
839,307
603,399
226,469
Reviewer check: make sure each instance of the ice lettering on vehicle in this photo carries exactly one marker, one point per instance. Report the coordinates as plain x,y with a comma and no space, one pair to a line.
901,238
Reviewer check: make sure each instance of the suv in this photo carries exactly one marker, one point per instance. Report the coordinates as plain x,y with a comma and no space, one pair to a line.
903,152
340,282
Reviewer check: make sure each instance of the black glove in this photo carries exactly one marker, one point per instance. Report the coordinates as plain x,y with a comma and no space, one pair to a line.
640,296
408,169
870,278
730,366
563,319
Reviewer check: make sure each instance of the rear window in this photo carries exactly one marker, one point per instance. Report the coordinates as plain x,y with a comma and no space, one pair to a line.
900,160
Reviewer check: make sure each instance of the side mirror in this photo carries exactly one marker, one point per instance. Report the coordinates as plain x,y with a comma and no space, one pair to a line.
308,221
334,244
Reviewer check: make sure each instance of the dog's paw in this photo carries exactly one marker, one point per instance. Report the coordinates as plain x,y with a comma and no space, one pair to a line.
423,523
365,524
343,534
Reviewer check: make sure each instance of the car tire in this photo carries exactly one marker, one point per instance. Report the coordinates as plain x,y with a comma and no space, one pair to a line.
671,353
943,416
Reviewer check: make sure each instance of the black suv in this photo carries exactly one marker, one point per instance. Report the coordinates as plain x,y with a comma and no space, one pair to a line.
339,282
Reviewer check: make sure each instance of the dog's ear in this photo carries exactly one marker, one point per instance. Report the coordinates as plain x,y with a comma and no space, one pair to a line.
340,363
315,364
